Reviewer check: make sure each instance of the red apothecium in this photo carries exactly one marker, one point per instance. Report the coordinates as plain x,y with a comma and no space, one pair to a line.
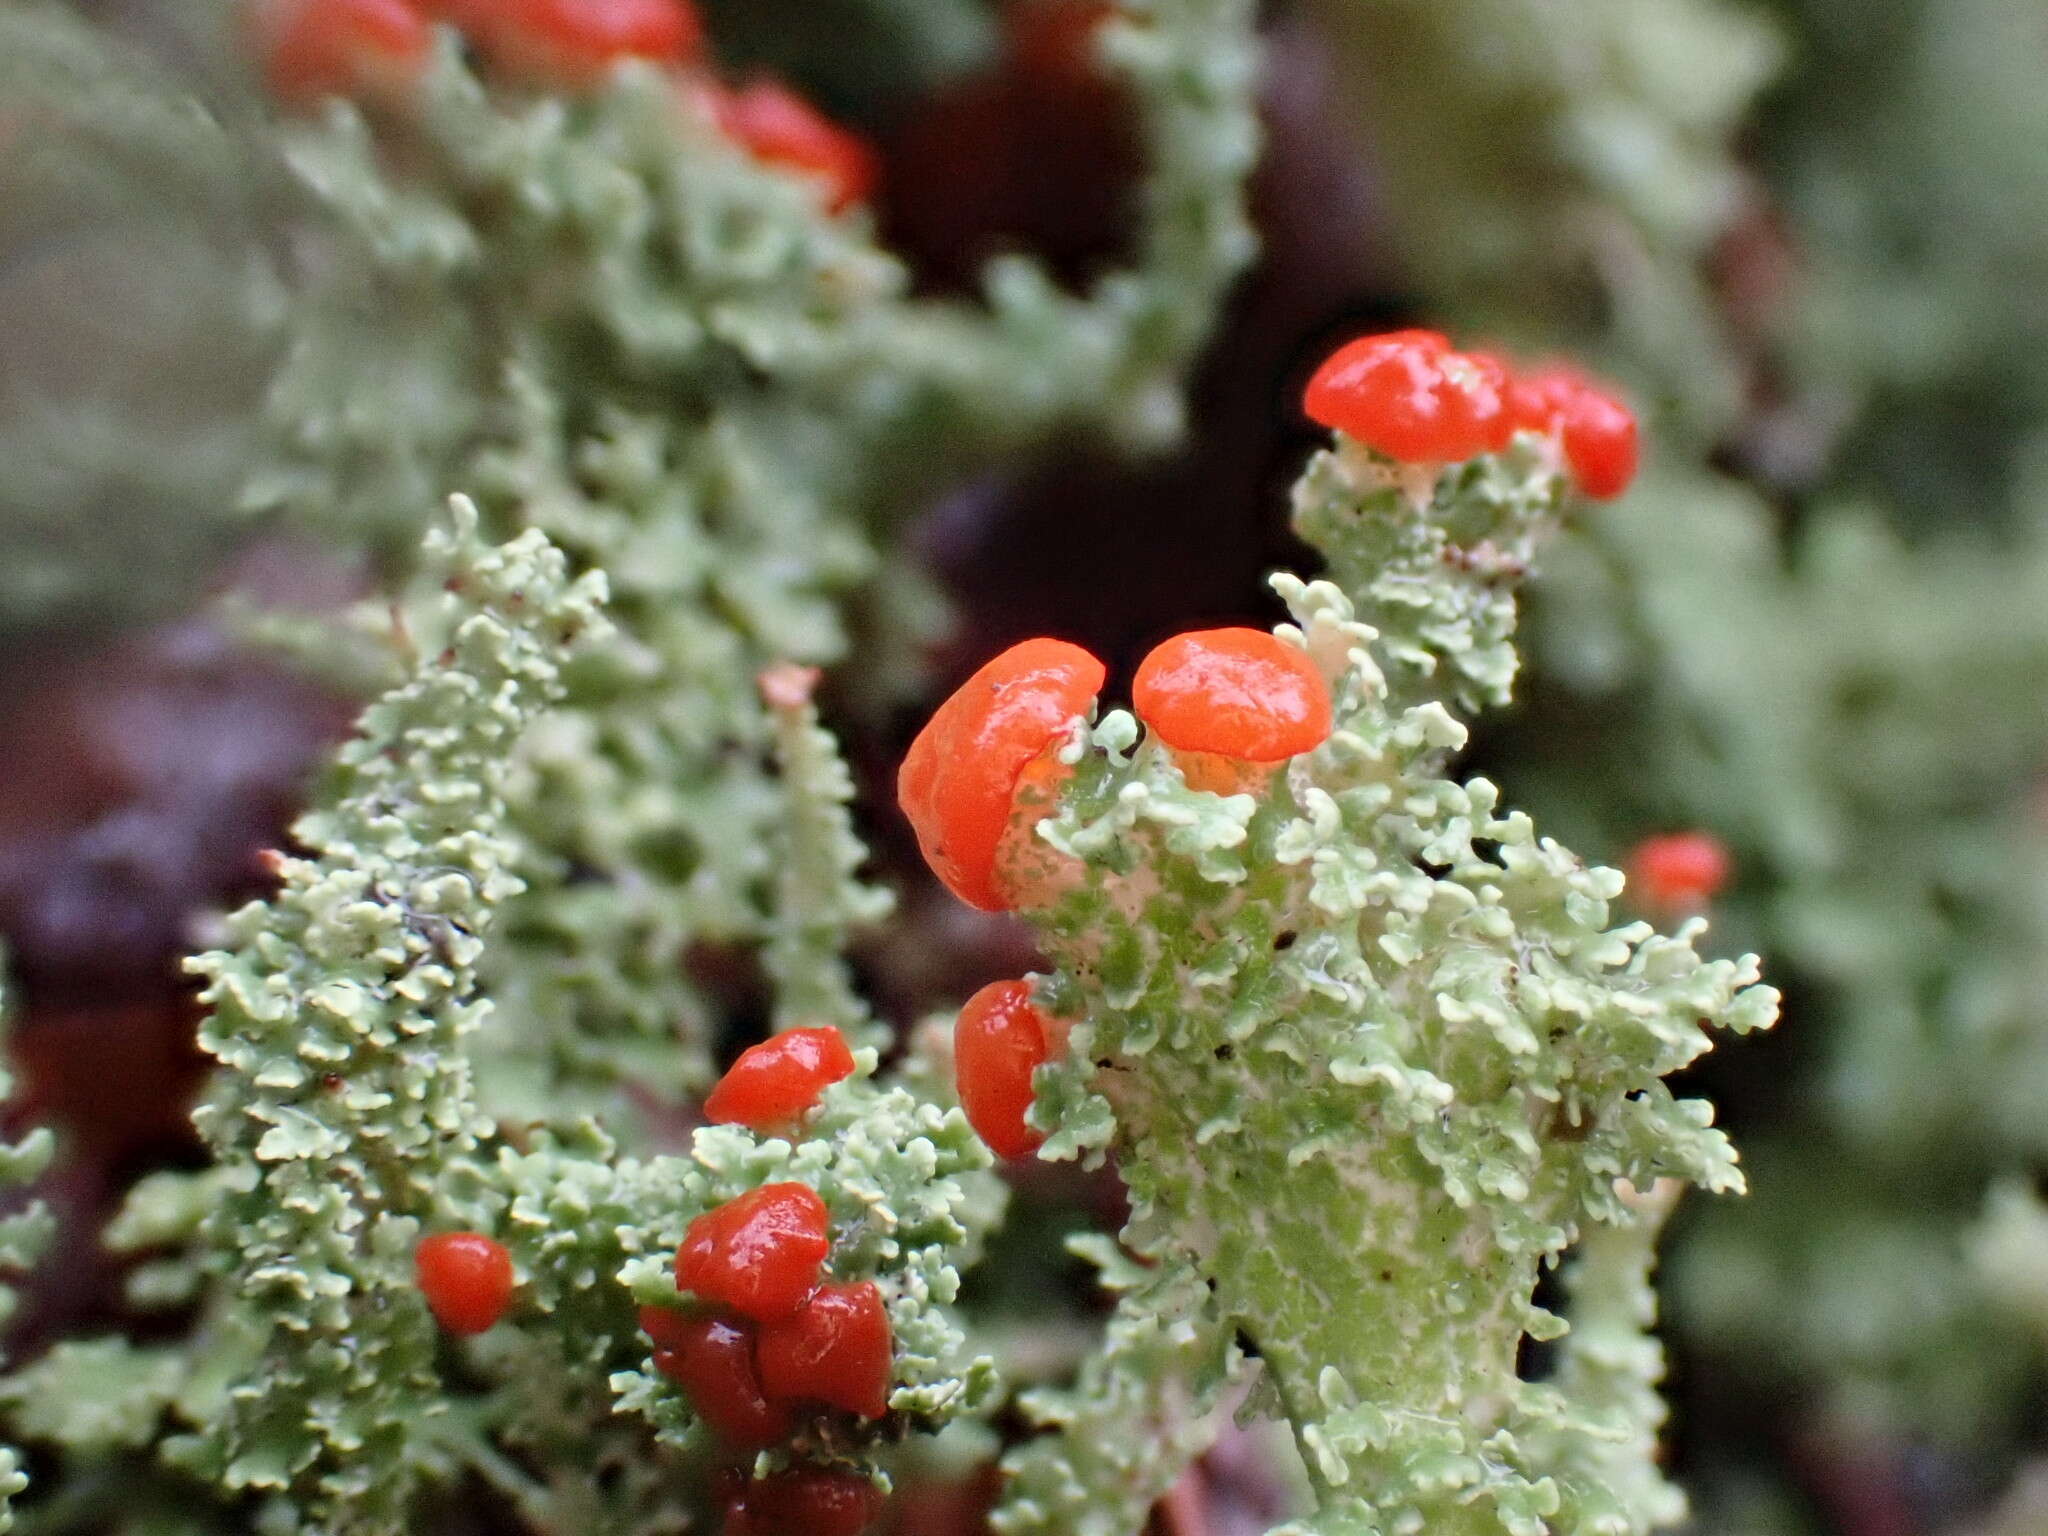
773,1084
1408,394
778,127
959,779
576,42
1237,693
1679,871
837,1350
759,1254
1597,432
1000,1039
466,1278
804,1501
712,1359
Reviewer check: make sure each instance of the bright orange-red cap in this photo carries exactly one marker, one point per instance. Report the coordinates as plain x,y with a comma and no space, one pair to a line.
817,1501
773,1084
960,774
1239,693
1679,871
759,1254
836,1350
1000,1041
1597,430
467,1279
712,1359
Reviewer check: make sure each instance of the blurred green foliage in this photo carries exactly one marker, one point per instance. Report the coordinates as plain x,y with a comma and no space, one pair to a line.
140,318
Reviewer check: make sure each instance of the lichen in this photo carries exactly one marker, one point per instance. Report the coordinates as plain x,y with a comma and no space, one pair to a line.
345,1122
1367,1049
345,1102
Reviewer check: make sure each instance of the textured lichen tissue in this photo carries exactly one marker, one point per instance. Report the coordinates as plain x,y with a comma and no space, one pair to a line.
626,423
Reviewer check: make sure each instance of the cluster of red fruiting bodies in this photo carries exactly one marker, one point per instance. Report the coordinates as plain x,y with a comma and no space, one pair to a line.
313,49
1215,697
1225,698
774,1333
1409,395
760,1334
1230,704
763,1334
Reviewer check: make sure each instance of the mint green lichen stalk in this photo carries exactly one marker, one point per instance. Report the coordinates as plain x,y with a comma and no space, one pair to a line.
1831,703
1818,686
819,900
338,1015
1609,1368
1439,589
1367,1050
